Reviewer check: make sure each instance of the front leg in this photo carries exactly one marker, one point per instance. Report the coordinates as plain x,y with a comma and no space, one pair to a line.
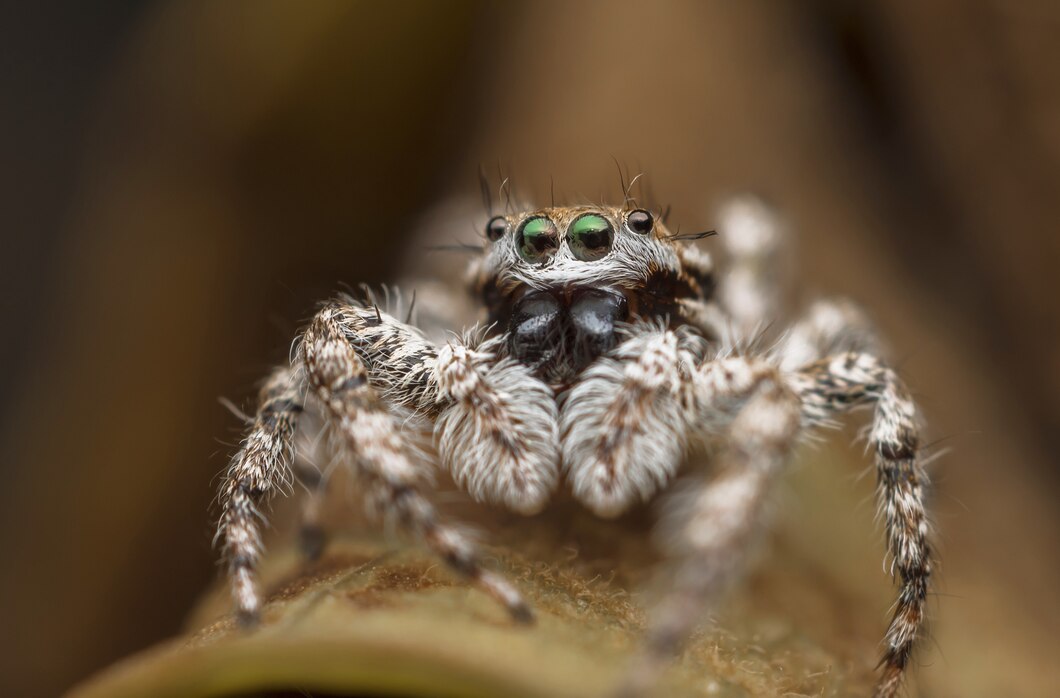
495,422
828,326
336,350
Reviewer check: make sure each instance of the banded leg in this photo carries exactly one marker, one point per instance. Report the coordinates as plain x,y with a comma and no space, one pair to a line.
259,469
623,426
835,385
829,326
372,434
709,529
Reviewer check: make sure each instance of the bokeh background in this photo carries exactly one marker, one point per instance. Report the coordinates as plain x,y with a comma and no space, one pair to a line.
181,181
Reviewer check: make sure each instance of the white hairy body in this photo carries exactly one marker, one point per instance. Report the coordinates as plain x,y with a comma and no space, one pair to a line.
513,421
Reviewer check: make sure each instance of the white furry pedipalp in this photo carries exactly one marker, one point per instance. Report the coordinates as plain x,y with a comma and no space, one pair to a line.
498,438
624,426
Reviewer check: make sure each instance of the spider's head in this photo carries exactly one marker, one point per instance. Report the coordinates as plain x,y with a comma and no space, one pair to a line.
561,280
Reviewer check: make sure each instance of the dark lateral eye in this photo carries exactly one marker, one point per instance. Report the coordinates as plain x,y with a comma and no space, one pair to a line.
640,221
496,228
590,237
536,239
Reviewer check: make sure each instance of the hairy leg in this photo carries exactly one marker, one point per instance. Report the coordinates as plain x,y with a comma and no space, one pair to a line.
828,326
704,312
835,385
624,424
751,289
332,351
312,538
494,422
708,529
258,470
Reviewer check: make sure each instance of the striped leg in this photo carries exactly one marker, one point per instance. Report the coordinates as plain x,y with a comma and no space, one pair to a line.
258,470
834,385
829,326
339,378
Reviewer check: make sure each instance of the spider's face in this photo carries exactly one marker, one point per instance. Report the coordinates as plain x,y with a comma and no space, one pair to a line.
560,280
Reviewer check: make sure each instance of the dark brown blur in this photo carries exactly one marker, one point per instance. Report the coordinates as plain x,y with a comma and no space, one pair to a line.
182,181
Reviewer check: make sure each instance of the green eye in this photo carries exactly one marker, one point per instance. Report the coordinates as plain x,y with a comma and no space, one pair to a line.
590,237
537,239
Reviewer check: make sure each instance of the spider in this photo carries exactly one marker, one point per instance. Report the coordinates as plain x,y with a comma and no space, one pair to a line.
611,349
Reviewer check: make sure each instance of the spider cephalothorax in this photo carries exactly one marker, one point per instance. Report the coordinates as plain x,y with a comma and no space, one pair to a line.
612,350
561,281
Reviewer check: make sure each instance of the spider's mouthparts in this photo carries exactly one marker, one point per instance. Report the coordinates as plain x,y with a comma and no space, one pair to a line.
562,331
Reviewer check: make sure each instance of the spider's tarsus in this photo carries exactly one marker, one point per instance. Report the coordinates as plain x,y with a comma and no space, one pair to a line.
248,620
522,613
502,590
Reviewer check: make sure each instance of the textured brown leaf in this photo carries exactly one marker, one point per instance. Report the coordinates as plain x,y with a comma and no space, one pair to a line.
374,617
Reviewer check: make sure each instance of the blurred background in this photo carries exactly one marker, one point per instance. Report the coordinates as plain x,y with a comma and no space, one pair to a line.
182,181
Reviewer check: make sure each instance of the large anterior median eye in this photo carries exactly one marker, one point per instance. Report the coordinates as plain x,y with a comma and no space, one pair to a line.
537,239
590,236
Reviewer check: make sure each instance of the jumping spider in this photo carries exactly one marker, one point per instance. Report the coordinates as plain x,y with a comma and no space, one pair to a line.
610,349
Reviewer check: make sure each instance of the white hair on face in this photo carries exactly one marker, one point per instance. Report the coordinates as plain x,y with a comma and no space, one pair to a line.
629,263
